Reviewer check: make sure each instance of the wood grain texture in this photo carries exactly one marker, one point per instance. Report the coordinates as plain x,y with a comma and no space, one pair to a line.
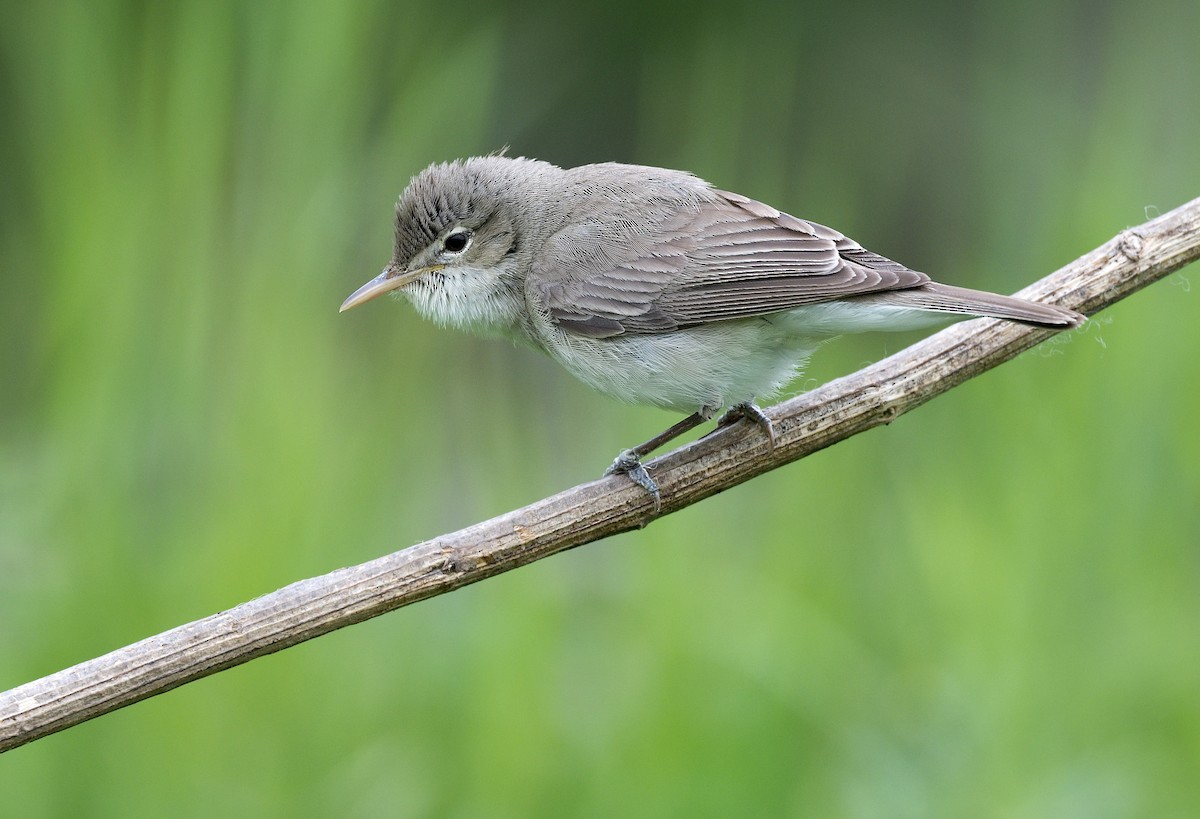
586,513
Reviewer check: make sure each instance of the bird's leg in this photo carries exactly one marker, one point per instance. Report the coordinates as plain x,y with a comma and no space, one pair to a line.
750,412
630,461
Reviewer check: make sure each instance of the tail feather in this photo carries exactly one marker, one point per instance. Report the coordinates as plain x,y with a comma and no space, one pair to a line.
945,298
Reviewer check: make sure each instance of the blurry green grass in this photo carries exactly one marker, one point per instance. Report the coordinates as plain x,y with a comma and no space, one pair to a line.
987,608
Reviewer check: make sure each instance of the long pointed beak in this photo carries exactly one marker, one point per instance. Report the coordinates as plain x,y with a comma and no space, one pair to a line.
392,278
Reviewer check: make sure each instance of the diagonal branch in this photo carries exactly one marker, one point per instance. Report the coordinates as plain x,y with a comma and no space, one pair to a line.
870,397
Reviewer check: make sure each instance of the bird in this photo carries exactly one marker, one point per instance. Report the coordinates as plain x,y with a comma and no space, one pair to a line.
651,285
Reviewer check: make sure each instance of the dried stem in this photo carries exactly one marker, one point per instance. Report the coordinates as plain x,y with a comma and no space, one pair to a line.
839,409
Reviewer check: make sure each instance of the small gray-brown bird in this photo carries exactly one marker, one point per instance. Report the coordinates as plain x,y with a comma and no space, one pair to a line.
651,285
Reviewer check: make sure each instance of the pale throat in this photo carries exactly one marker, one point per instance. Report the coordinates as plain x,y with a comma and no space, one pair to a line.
477,300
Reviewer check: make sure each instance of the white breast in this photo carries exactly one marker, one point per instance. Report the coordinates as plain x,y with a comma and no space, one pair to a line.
702,368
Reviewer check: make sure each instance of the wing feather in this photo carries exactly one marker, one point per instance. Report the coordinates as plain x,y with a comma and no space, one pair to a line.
729,257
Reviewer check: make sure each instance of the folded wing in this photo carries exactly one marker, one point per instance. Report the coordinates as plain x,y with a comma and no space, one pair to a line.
726,259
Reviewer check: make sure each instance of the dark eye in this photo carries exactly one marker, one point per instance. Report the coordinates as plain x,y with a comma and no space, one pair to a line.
457,241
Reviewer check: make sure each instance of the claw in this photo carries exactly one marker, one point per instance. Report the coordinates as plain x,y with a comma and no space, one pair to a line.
751,413
630,463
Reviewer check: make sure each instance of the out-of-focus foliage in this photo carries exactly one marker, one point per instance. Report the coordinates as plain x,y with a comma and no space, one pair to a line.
988,608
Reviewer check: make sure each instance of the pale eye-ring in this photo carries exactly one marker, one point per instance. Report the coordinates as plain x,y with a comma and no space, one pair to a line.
457,240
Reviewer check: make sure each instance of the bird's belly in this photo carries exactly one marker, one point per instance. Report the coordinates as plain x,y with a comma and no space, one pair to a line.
700,368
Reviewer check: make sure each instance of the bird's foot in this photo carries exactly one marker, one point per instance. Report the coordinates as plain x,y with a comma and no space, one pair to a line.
630,463
751,413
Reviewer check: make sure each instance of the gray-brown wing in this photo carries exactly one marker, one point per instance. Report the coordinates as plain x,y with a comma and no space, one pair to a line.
728,258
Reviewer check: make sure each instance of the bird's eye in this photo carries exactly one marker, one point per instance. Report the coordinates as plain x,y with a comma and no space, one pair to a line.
457,241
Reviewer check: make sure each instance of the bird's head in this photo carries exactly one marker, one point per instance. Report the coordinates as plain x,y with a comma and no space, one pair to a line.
462,245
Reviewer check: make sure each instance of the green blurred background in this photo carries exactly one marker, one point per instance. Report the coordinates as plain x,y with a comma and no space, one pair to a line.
989,608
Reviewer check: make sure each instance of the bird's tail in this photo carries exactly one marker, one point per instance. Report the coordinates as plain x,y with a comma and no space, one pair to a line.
945,298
